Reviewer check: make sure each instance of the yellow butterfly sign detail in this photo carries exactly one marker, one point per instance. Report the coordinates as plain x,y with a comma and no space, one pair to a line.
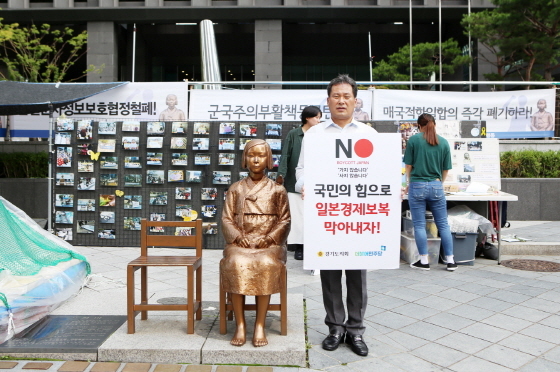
119,193
192,217
93,155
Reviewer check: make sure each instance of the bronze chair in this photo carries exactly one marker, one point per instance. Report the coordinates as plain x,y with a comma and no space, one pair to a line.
226,307
192,263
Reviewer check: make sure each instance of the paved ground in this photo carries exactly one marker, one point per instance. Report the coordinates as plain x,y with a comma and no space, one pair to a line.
484,317
537,231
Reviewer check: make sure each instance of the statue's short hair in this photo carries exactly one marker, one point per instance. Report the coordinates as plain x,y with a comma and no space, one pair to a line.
253,143
343,79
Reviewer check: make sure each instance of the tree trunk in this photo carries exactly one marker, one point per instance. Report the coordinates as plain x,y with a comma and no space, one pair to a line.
529,70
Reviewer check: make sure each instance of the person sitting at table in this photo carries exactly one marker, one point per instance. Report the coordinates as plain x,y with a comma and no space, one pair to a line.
255,225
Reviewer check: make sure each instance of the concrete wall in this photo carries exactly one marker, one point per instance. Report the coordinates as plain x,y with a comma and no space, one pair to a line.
519,145
538,199
102,49
28,194
268,52
31,146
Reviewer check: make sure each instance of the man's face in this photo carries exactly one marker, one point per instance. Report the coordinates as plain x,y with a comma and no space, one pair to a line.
341,102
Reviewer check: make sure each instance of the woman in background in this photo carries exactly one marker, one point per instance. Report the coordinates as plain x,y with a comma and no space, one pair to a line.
310,116
427,160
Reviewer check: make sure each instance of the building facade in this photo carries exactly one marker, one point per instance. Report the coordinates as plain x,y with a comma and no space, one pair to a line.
261,40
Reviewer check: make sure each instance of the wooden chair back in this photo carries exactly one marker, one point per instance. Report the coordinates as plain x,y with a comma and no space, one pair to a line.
192,263
160,240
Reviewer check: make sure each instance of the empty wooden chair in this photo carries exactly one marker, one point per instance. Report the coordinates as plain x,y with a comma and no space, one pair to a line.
190,236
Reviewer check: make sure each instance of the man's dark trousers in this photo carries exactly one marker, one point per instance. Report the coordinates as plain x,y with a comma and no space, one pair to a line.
356,300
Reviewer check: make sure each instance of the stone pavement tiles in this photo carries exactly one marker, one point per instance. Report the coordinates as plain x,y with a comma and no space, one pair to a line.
79,366
484,317
481,317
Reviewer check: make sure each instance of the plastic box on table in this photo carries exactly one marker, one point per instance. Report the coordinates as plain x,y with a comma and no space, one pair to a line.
464,247
409,251
431,228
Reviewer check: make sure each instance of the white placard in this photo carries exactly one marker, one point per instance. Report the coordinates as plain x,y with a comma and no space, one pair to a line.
352,203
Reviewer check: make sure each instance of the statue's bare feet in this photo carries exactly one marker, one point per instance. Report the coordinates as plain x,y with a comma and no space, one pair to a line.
240,336
259,337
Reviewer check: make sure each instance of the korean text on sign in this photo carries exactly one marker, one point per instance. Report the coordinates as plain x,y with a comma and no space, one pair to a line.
361,190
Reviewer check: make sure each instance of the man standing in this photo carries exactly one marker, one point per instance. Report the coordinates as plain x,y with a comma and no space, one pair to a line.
341,100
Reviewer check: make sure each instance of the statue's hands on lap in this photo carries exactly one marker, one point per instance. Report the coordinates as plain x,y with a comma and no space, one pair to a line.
265,242
243,242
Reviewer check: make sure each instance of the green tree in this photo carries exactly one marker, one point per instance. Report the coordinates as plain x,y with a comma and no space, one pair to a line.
542,19
519,36
40,54
492,29
425,62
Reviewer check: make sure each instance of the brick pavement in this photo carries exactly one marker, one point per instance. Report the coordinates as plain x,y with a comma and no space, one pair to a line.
484,317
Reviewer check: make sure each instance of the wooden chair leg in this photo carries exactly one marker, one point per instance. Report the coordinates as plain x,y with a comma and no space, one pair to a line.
190,300
228,303
130,299
199,292
284,307
144,290
223,321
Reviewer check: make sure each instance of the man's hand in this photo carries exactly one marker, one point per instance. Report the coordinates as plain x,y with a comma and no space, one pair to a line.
280,180
302,192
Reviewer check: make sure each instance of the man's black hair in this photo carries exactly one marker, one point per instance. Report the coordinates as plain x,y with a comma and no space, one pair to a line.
343,79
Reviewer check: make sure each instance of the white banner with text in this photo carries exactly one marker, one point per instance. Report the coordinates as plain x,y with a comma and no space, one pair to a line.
263,105
133,101
511,114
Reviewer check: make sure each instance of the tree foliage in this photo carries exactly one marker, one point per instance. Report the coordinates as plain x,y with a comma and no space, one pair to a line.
40,54
542,18
492,29
519,35
530,164
24,164
425,62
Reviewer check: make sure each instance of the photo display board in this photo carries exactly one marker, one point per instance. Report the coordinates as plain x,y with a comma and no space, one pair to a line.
110,174
475,158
